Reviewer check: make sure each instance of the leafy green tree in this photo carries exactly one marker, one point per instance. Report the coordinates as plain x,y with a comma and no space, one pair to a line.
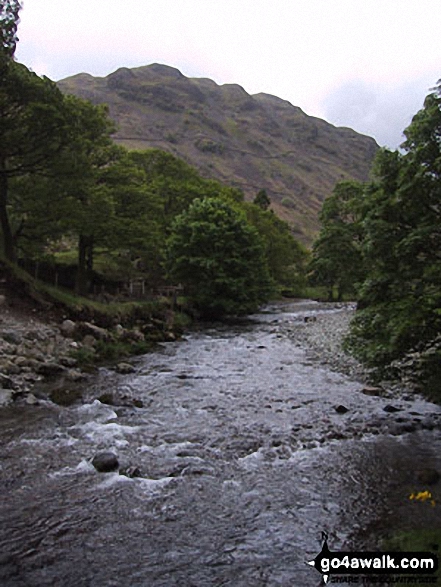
219,258
400,301
86,199
69,195
337,261
34,128
286,258
176,183
135,233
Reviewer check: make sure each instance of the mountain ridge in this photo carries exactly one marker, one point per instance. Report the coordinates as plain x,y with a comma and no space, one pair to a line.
253,142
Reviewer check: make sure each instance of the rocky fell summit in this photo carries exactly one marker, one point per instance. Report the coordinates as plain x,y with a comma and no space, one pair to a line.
250,141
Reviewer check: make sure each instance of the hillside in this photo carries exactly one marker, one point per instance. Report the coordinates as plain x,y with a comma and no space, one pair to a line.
249,141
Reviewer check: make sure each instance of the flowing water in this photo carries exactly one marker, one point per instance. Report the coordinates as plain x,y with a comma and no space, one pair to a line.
244,462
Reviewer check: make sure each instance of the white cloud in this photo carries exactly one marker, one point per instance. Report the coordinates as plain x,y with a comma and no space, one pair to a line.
383,112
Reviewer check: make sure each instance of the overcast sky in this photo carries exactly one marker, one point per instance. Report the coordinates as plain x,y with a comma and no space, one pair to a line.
367,64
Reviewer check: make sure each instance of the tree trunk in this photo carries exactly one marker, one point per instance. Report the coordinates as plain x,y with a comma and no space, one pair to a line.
8,239
85,264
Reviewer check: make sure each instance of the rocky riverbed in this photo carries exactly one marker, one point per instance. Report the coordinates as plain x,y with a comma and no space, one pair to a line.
37,351
34,350
238,446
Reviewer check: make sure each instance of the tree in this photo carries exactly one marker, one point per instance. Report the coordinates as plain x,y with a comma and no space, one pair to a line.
177,184
337,258
85,197
34,128
285,257
219,258
400,301
9,10
59,187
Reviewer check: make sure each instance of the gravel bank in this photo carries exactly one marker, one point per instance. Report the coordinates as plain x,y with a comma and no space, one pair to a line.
323,335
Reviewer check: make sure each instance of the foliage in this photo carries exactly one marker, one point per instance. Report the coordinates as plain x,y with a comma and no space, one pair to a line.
337,257
421,540
219,258
9,10
34,127
400,301
285,256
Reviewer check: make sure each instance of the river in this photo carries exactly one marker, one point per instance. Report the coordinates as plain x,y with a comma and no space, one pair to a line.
244,461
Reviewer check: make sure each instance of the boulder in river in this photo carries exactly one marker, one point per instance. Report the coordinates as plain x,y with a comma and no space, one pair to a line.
124,368
105,462
65,396
341,409
391,409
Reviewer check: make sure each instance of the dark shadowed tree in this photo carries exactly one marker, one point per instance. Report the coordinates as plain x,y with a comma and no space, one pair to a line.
33,130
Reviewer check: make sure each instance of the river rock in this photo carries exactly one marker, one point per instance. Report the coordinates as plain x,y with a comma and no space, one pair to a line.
50,369
96,331
119,330
124,368
105,462
68,327
391,409
107,398
37,335
65,396
373,391
132,472
21,361
89,341
74,375
31,400
341,409
11,336
68,362
5,382
9,368
132,336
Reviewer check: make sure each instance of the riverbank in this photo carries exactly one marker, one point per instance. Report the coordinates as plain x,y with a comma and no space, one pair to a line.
323,335
38,346
42,345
